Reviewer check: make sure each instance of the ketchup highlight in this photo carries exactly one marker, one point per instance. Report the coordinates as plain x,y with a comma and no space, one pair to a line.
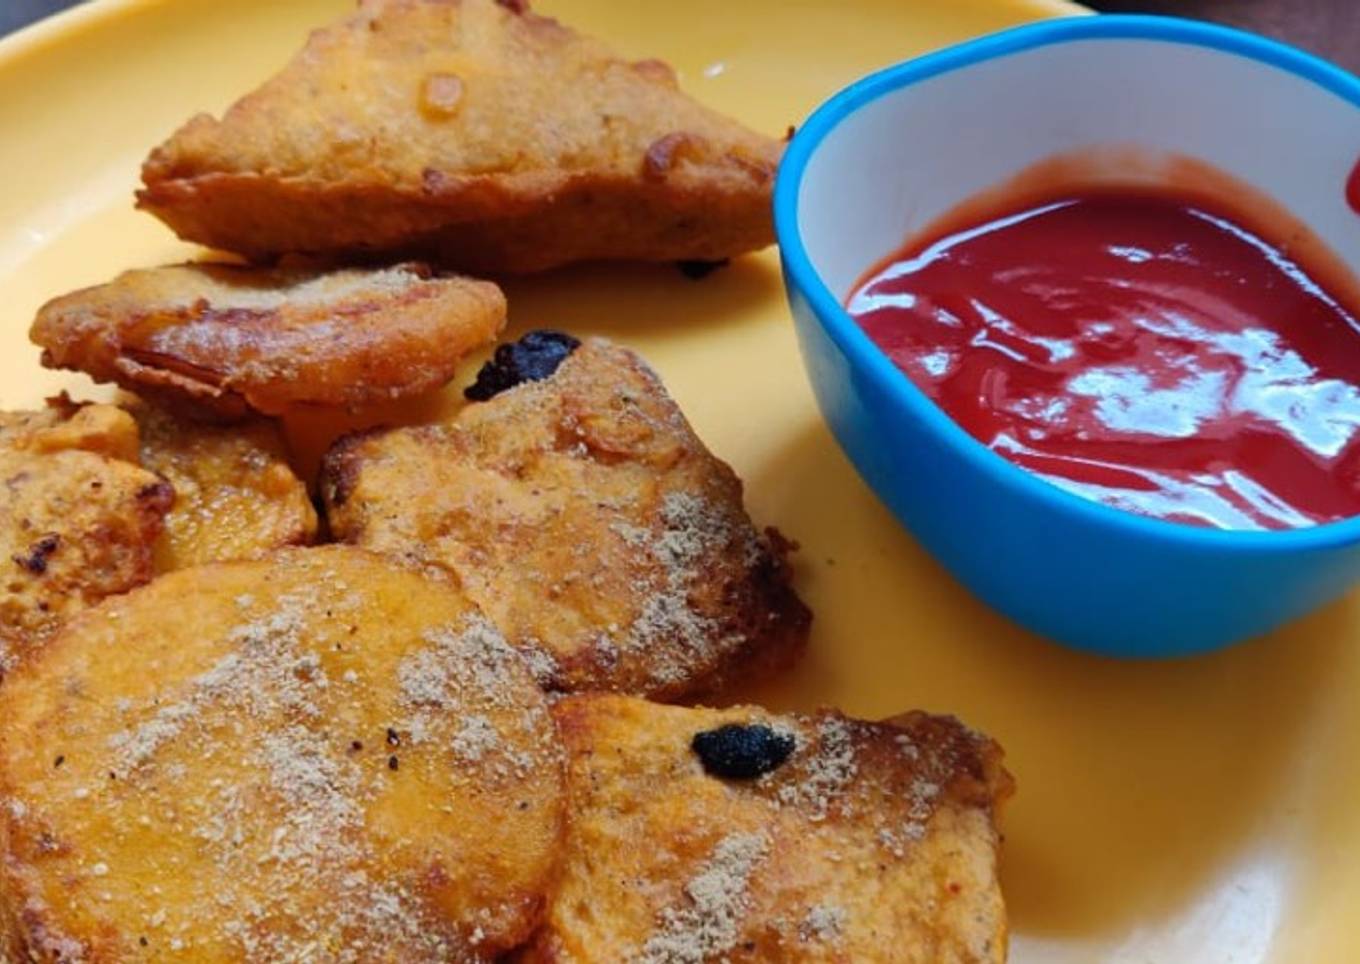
1137,349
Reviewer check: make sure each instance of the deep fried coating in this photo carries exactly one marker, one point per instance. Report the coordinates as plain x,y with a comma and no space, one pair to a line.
235,495
870,842
66,425
74,527
589,522
314,757
230,339
471,132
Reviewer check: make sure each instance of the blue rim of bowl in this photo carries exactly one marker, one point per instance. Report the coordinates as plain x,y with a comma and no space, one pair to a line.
868,358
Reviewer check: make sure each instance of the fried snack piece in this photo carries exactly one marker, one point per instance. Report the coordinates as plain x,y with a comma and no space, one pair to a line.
317,756
474,133
229,339
853,842
74,527
589,522
235,495
65,425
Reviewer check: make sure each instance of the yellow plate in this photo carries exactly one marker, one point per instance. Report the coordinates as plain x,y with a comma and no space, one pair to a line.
1205,810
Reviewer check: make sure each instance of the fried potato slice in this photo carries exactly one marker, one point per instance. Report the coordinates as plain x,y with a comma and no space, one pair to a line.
317,756
65,425
589,522
830,840
235,495
474,133
75,527
229,339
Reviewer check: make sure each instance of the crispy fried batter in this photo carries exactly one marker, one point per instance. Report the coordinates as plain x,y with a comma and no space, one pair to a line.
230,339
64,425
74,527
589,522
870,842
235,495
471,132
318,756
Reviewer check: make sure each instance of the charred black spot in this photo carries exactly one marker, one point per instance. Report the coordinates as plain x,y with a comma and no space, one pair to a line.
698,270
531,359
35,560
742,751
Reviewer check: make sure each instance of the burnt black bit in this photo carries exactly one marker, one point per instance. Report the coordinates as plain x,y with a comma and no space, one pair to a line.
56,764
698,270
35,560
531,359
788,134
742,751
357,746
393,763
393,737
143,942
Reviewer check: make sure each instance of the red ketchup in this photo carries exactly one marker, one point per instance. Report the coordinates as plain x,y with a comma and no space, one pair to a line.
1141,350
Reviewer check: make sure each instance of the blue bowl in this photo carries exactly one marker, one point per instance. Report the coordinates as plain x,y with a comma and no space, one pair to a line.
895,150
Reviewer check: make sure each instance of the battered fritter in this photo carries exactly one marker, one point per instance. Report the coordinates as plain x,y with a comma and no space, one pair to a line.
235,495
471,132
740,836
584,516
75,524
313,757
229,340
63,425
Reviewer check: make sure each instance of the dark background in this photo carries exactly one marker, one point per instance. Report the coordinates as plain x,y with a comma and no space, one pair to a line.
1327,27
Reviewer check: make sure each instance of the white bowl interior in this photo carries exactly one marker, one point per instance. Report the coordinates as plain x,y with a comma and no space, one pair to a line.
899,162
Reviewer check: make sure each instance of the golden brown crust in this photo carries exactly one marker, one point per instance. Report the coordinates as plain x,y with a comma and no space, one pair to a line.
870,842
235,495
589,522
317,756
75,525
229,340
488,139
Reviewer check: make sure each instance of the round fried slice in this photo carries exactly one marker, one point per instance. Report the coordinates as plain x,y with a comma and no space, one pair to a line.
316,756
737,835
74,527
231,339
583,514
236,497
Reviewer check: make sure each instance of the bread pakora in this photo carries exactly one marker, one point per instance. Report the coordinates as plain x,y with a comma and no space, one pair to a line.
314,757
228,339
472,132
736,835
235,495
584,516
76,525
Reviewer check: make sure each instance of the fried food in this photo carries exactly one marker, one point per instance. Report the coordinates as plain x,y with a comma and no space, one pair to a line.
75,527
474,133
230,340
829,839
235,495
66,425
584,516
317,756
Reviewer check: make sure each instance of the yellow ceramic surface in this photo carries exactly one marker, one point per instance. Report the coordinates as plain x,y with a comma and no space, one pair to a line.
1205,810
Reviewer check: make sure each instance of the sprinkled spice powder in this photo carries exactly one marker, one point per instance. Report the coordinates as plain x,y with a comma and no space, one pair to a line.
708,924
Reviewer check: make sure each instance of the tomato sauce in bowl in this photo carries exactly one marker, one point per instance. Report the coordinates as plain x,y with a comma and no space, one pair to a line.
1137,348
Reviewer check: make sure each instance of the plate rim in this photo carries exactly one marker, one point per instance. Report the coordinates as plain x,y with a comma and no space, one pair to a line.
61,26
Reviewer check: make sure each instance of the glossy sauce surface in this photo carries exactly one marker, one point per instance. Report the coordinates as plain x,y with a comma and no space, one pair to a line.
1137,349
